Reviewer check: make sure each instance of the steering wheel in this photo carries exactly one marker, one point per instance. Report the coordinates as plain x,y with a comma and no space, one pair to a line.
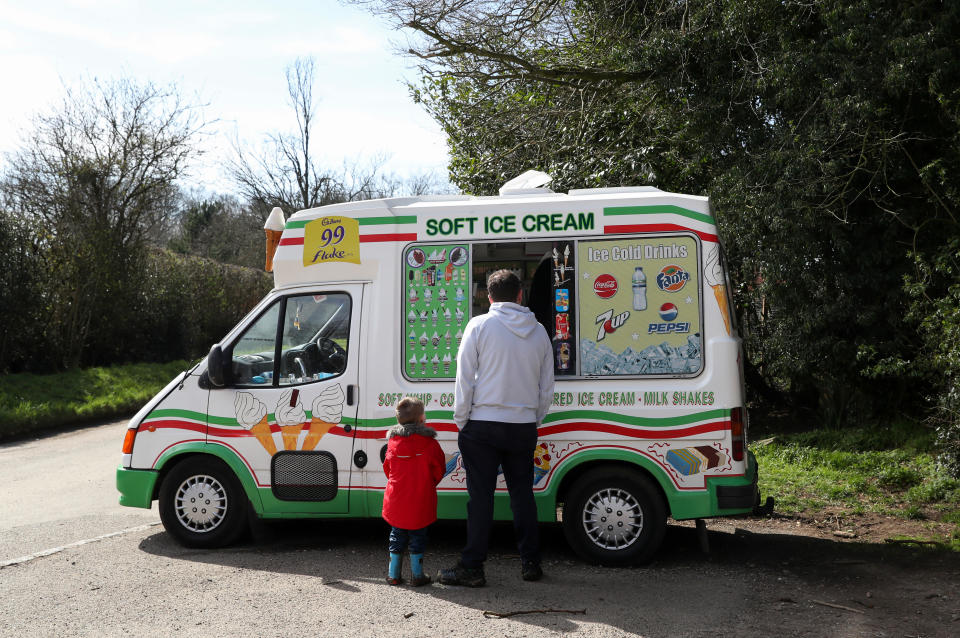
332,358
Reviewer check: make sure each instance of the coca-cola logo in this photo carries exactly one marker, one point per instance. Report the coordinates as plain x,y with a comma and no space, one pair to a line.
605,286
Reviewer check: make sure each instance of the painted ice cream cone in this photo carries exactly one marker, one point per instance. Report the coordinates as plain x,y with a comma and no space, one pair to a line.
720,292
252,415
326,413
290,417
273,230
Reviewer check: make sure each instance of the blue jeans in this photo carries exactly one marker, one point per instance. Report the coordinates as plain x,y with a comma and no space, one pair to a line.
400,539
485,446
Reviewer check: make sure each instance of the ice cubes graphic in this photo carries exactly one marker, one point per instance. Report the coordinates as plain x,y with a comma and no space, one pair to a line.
659,359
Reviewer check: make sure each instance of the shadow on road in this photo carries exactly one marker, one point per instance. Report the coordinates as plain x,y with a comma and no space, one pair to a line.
765,570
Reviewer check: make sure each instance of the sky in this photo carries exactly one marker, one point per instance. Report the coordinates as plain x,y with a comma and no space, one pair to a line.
230,56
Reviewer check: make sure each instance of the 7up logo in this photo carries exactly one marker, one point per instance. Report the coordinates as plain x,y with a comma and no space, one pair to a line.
609,323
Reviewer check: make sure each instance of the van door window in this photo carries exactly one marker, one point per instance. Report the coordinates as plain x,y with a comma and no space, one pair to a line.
254,352
316,330
639,306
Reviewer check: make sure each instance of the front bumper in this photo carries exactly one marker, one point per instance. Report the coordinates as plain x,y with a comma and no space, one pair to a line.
136,486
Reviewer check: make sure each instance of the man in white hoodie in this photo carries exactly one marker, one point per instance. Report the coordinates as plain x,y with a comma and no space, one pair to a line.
504,388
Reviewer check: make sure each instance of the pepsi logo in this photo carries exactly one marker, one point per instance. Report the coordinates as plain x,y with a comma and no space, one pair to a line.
668,312
672,278
605,286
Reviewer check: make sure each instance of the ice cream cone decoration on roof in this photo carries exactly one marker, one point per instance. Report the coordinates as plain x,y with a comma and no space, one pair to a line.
273,230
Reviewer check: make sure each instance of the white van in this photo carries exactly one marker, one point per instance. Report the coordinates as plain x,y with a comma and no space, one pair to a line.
288,415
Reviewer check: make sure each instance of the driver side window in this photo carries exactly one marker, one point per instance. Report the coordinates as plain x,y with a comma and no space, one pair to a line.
313,342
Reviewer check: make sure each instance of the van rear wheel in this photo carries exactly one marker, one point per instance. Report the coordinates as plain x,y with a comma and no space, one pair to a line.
202,504
614,517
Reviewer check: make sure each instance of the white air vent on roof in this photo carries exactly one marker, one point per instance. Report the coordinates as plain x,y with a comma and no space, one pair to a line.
614,190
528,183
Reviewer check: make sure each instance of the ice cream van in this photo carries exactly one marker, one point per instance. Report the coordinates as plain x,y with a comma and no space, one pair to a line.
288,415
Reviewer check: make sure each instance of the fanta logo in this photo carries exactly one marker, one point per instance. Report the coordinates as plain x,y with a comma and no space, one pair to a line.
605,286
672,278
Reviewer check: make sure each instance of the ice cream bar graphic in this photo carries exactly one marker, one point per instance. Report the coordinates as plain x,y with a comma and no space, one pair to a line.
693,460
435,339
446,363
451,460
541,462
713,273
448,272
412,317
252,415
290,417
273,229
326,412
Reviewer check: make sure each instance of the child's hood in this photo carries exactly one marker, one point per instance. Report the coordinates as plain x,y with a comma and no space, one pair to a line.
407,429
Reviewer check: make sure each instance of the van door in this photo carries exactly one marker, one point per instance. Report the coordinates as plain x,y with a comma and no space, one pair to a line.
291,405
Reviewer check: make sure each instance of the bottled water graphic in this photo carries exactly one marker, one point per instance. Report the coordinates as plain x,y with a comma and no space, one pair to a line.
639,289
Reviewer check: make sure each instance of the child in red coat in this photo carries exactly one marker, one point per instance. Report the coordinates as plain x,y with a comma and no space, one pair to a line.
414,465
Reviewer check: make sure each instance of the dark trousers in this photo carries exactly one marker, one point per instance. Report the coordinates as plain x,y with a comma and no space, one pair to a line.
401,538
486,446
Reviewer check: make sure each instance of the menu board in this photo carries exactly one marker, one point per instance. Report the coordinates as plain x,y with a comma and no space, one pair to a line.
436,308
563,302
639,306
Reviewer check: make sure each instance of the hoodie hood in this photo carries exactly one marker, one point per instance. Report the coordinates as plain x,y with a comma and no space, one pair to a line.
517,319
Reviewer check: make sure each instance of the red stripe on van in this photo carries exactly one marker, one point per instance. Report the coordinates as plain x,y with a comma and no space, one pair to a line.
291,241
634,433
646,228
389,237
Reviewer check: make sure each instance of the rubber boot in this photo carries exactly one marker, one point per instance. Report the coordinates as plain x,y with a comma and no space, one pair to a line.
416,569
396,566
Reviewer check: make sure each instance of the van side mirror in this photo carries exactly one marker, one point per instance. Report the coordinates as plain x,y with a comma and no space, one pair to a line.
215,367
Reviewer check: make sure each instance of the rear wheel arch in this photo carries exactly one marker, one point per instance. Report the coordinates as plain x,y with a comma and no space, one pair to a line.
636,464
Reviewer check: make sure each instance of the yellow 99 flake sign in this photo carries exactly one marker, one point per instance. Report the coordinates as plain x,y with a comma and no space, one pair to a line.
332,238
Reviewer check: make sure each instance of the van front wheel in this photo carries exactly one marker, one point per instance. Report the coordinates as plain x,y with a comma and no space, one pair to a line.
614,517
202,503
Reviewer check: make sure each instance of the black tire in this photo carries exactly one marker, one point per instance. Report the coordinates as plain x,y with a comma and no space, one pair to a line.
614,517
202,503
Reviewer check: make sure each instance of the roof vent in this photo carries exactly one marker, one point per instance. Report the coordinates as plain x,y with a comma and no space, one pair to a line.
531,182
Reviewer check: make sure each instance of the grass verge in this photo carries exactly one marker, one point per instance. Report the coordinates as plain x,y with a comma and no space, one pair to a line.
34,402
891,471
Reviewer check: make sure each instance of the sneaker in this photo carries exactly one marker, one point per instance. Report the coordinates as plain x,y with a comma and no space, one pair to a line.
460,575
394,581
531,571
420,580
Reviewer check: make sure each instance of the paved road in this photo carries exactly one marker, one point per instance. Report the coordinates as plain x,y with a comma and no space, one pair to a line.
326,578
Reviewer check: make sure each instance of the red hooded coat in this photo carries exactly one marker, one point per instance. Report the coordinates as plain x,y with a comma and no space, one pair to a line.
414,465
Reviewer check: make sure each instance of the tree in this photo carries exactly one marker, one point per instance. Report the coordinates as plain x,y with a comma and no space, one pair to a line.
824,132
99,172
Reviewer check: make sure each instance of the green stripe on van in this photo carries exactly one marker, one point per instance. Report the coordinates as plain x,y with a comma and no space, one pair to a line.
662,422
665,209
366,221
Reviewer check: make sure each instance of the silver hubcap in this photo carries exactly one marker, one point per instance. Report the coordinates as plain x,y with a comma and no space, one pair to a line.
612,518
201,503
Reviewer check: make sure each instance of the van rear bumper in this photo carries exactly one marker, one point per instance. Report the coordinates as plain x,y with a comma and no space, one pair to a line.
740,497
136,486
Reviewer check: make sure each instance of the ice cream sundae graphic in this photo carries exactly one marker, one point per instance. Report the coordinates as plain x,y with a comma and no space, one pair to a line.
459,315
252,415
435,339
427,296
713,273
435,362
290,417
423,364
412,317
447,360
326,412
413,363
541,462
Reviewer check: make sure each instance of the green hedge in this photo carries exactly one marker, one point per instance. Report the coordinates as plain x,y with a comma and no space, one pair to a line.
33,402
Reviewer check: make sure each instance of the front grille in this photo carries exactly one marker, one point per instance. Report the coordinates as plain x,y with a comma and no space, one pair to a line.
304,476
